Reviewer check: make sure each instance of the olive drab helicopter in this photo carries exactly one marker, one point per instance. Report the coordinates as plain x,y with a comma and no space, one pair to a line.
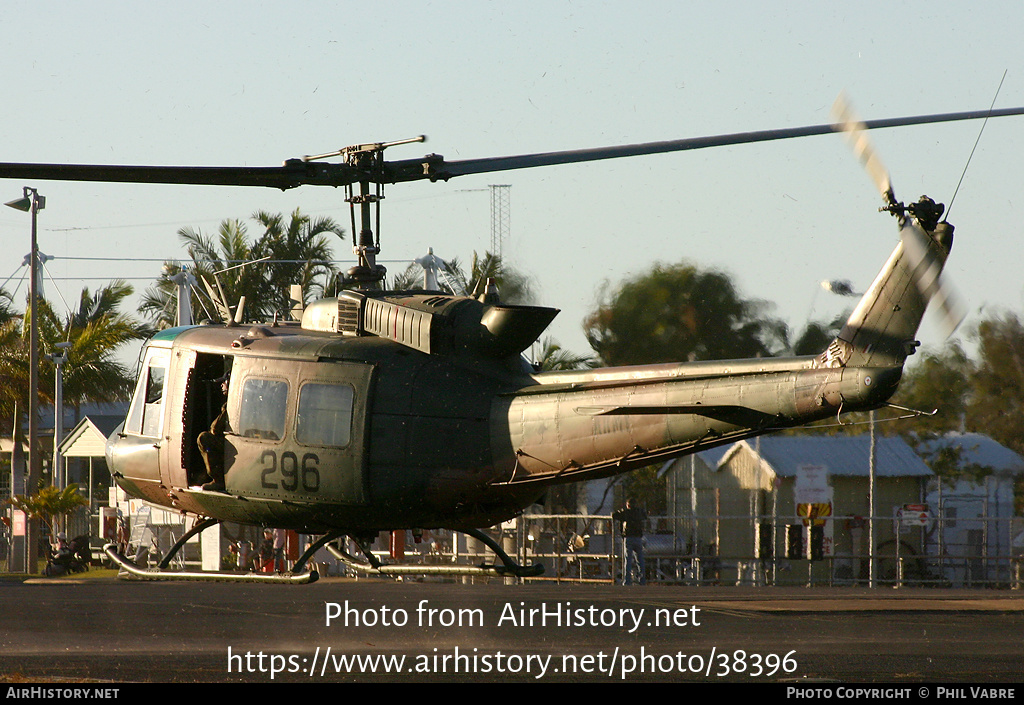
387,410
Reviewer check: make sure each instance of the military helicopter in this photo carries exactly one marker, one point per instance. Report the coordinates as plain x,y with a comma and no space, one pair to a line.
387,410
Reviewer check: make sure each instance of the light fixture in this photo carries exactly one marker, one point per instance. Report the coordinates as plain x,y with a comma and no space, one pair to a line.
21,204
24,204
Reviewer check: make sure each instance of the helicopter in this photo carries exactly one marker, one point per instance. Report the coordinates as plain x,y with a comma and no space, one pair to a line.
380,410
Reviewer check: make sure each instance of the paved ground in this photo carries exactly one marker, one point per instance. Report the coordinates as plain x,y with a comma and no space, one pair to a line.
369,630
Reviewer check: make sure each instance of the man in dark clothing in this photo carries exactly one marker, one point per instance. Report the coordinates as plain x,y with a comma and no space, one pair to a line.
211,443
633,519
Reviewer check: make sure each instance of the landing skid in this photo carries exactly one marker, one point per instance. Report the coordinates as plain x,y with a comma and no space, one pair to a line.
299,575
132,571
373,566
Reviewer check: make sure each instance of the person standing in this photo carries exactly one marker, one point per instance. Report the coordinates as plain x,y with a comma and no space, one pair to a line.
280,540
265,560
633,519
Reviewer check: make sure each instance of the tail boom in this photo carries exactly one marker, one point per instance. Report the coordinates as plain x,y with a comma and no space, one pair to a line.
579,425
565,435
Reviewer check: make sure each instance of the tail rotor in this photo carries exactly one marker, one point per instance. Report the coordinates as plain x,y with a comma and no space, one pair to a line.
926,240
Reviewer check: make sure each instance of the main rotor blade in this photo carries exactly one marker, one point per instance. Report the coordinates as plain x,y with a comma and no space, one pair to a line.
296,172
291,174
480,166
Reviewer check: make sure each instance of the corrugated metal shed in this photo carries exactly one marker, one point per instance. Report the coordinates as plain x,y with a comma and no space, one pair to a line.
980,450
714,456
842,455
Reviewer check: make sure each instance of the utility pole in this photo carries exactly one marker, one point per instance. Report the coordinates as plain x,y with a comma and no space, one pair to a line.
872,461
32,202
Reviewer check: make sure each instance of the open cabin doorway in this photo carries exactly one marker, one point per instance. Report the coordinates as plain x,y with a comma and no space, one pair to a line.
204,400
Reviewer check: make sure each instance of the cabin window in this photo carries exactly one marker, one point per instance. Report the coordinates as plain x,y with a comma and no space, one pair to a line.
264,407
325,415
145,417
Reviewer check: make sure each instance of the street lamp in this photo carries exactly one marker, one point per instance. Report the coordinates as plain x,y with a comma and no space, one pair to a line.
32,202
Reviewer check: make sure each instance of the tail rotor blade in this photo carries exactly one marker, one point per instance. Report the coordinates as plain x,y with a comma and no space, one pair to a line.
927,272
925,256
857,136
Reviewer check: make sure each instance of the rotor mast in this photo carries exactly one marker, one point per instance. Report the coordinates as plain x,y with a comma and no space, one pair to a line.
368,161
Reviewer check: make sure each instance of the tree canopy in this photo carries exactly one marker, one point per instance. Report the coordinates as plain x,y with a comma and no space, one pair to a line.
817,335
297,251
995,400
986,394
939,381
679,312
982,395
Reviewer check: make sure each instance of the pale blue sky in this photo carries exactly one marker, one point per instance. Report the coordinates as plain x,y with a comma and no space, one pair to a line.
236,83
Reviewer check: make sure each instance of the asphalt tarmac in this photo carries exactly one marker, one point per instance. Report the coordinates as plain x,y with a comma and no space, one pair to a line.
342,630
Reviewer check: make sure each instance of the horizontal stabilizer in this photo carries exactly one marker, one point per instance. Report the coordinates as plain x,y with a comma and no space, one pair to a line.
730,413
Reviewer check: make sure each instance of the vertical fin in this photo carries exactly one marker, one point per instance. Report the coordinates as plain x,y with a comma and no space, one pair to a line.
882,330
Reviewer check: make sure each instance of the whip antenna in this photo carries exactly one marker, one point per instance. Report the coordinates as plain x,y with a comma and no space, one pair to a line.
984,122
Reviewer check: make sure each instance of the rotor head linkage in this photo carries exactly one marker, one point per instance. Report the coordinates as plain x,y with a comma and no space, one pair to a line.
369,159
925,211
370,148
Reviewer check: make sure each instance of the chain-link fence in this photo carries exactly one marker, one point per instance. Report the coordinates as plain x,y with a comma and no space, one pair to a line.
709,550
746,550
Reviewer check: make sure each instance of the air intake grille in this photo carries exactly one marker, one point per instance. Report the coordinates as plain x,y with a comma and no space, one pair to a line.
348,316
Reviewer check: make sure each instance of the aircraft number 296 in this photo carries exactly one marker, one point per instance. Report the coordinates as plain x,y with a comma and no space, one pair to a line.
294,474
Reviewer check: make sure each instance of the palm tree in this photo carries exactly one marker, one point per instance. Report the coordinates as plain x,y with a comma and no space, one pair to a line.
554,357
7,311
303,253
96,331
50,505
92,373
296,251
513,286
13,371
